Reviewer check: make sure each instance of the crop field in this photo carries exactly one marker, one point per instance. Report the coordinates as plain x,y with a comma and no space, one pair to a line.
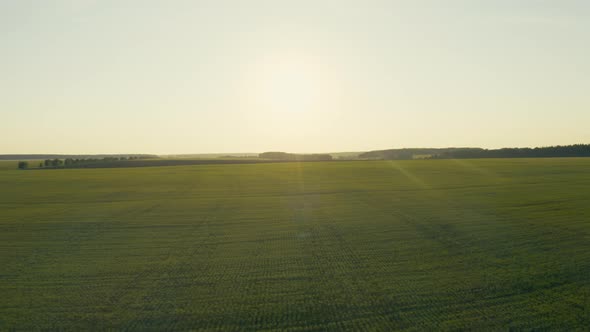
409,245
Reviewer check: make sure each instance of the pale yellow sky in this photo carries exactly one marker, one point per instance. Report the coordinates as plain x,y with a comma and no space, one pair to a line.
302,76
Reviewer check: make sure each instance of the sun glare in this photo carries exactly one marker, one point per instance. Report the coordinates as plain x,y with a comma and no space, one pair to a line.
288,86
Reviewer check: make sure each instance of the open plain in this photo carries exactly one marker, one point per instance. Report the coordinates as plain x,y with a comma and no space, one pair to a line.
366,245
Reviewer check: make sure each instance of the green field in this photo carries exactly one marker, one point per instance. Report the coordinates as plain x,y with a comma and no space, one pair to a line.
369,245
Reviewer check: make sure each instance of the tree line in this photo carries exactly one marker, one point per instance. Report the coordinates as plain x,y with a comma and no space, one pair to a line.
576,150
73,162
74,156
295,157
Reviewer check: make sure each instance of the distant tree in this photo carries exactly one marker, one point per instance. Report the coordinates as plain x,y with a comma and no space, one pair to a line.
69,162
23,165
294,157
40,165
275,155
47,162
56,162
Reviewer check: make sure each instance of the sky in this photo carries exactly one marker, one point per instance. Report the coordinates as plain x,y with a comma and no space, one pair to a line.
171,77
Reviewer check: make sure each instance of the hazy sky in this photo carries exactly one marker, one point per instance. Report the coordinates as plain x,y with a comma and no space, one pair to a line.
299,76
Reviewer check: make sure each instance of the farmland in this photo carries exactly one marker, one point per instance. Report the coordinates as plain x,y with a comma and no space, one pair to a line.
369,245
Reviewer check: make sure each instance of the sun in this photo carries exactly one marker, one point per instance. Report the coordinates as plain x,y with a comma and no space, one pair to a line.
288,86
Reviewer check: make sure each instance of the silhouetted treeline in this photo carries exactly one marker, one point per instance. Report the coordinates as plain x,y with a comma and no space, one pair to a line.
402,154
577,150
65,156
173,162
295,157
82,162
168,162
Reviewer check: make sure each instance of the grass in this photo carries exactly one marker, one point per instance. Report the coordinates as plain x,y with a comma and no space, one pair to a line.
376,245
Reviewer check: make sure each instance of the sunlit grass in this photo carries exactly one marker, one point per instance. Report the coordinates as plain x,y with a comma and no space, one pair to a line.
376,245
